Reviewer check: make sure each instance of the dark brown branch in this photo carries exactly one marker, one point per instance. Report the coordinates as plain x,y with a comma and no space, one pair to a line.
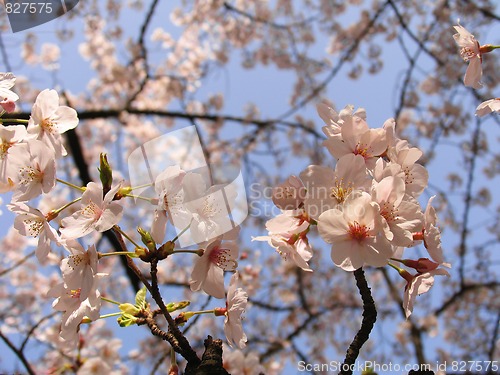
19,353
211,363
369,318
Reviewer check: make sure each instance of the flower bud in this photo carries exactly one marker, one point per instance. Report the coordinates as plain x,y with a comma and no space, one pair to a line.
165,250
147,239
105,173
422,265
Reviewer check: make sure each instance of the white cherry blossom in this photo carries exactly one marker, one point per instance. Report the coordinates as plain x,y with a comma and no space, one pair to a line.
49,120
326,189
7,80
417,285
353,233
75,307
236,303
80,267
208,271
36,171
488,106
96,213
470,52
32,223
287,234
12,148
168,186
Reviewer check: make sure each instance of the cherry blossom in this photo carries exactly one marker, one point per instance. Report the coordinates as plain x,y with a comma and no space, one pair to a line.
470,52
168,186
80,267
238,363
97,213
208,271
399,217
354,235
7,80
326,189
11,148
287,234
235,306
431,233
31,222
417,285
488,106
358,139
416,176
209,208
290,194
75,307
49,120
36,171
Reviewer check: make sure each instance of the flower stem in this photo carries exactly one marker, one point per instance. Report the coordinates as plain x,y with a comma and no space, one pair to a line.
56,212
117,228
102,255
110,300
140,186
182,232
18,120
70,185
139,197
185,251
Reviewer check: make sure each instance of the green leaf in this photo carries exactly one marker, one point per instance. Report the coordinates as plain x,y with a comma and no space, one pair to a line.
126,320
128,308
140,299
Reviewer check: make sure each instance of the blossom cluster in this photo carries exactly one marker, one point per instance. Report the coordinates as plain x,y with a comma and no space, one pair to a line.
29,155
472,52
366,207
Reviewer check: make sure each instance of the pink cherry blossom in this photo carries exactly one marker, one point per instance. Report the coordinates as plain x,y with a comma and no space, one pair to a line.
7,80
417,285
79,268
287,234
208,271
96,214
48,121
290,194
489,106
326,189
237,300
470,52
36,171
416,176
75,307
432,234
358,139
399,217
354,235
31,222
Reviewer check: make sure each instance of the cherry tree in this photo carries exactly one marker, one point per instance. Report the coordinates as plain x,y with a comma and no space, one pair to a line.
330,160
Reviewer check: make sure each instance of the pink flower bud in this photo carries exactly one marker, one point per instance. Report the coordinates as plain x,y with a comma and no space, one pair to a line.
8,106
422,265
